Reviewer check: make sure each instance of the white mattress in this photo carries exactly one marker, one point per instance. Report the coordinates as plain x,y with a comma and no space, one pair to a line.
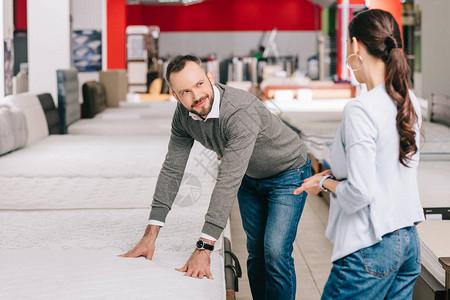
77,192
87,156
435,243
96,229
432,179
120,125
68,178
128,119
56,248
100,274
72,254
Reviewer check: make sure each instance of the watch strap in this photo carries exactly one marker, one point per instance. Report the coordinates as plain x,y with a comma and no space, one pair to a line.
322,181
201,245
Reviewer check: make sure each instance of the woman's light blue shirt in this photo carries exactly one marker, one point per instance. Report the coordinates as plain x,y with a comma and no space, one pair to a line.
377,194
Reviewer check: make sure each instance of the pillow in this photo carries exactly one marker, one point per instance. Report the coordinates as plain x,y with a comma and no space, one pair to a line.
13,129
34,114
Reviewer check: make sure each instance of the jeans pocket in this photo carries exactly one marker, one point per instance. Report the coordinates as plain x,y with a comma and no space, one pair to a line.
383,258
417,244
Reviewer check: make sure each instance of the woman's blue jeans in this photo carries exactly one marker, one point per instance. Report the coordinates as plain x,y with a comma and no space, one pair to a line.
270,214
386,270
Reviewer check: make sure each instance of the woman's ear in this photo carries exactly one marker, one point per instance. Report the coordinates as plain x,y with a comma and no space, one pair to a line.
355,45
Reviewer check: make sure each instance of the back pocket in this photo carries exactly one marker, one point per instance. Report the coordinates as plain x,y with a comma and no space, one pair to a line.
383,258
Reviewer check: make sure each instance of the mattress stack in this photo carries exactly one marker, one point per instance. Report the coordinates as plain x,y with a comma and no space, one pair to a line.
434,241
69,204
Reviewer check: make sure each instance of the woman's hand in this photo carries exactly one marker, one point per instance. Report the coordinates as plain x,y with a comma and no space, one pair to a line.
311,184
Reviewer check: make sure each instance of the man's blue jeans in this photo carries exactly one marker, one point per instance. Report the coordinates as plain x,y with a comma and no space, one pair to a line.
386,270
270,214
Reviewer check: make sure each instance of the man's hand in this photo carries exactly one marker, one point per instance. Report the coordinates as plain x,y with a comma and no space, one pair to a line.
311,184
198,265
146,246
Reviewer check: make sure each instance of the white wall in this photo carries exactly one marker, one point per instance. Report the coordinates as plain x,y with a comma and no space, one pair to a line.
87,15
6,33
8,19
226,44
49,40
2,57
435,47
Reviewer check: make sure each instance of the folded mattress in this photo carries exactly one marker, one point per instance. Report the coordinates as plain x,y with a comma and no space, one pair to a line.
434,243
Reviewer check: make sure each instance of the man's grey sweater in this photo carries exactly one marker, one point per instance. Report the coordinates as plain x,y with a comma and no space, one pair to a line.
248,138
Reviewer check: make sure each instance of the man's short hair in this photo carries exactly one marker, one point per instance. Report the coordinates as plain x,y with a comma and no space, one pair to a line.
178,62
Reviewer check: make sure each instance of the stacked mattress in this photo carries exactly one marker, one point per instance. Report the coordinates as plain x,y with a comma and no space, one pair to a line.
434,243
69,204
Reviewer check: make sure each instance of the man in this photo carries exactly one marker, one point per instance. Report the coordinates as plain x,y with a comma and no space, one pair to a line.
262,162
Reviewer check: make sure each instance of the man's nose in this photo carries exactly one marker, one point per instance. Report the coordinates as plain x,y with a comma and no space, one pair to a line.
196,93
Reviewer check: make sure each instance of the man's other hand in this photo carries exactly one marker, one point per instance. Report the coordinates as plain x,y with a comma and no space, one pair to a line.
146,246
198,265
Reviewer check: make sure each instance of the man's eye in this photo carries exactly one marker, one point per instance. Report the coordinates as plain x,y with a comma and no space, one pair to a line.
200,83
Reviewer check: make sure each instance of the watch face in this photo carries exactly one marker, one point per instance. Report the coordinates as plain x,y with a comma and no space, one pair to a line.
200,244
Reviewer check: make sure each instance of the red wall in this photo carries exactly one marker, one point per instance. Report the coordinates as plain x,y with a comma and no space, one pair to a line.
229,15
115,30
20,14
392,6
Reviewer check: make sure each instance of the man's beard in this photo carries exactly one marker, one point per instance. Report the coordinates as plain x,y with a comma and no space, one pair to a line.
202,114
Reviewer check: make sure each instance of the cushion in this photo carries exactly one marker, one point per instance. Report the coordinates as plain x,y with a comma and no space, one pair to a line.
94,100
116,86
13,129
51,113
68,105
34,114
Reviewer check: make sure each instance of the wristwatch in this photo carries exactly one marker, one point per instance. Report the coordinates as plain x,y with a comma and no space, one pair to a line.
201,245
322,180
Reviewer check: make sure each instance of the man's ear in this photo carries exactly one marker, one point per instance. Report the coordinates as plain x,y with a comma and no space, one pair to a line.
176,98
210,76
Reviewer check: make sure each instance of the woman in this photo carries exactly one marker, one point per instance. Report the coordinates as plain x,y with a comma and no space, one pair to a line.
374,202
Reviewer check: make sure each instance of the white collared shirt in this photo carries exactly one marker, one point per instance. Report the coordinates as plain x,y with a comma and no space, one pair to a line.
213,114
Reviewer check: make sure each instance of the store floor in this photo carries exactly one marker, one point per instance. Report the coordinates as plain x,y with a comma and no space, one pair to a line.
312,250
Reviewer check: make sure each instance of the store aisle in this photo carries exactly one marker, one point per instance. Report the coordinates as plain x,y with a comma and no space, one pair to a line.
312,251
